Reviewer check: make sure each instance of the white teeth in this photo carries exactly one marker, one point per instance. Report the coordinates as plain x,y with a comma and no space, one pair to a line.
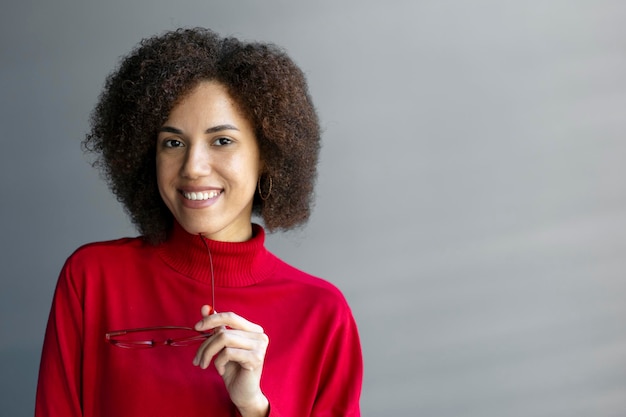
203,195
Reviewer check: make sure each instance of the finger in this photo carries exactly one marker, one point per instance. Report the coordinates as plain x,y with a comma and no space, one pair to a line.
228,319
225,339
207,310
249,360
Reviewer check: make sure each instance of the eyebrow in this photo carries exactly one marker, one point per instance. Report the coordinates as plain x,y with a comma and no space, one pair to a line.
213,129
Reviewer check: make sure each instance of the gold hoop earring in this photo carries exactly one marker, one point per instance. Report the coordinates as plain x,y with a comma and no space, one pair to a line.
269,192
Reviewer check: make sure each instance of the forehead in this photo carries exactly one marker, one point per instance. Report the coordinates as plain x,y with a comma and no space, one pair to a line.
208,102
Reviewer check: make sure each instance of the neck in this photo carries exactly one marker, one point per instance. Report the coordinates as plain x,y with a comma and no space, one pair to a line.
235,264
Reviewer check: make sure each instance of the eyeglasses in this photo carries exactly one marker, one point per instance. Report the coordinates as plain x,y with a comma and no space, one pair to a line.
149,337
139,338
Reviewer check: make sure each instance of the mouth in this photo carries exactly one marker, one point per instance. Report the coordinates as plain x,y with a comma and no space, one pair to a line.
201,195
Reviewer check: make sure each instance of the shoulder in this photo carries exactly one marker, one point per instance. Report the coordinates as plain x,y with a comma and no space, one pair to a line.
105,251
90,263
310,287
124,244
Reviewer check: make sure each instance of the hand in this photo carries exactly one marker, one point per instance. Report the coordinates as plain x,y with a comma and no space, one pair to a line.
239,348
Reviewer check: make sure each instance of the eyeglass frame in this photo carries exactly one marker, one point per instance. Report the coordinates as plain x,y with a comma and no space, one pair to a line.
152,343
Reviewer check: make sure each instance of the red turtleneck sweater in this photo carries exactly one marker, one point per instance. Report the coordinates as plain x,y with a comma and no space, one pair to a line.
313,365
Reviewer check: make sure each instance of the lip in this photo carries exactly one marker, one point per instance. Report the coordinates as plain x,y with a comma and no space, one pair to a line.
198,204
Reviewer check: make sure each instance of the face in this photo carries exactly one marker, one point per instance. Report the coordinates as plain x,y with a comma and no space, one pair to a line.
208,164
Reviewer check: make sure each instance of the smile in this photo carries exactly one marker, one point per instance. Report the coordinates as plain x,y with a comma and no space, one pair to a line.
202,195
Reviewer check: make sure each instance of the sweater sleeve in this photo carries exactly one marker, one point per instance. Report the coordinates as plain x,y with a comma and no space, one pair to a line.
327,376
59,385
342,371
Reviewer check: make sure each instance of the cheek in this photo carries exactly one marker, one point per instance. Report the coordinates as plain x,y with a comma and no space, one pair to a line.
164,171
245,167
164,167
159,172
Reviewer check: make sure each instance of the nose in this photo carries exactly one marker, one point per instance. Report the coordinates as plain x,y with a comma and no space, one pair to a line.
197,162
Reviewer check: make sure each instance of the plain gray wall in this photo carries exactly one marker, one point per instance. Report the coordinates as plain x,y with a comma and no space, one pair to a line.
471,200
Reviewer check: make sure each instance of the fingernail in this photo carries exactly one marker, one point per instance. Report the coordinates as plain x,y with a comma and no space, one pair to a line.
198,325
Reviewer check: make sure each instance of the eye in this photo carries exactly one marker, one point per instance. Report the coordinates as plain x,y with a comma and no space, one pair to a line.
222,141
172,143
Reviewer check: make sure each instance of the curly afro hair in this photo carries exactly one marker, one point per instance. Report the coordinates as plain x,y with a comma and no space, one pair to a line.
268,88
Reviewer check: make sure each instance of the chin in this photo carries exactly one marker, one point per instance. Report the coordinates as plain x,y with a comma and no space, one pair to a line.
197,230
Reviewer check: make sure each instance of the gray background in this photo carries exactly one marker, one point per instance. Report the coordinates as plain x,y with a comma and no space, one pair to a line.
471,200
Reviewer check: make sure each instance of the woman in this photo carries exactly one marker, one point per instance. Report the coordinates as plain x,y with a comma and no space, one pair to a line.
195,134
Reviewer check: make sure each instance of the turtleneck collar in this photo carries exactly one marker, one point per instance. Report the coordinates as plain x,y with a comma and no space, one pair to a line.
234,264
